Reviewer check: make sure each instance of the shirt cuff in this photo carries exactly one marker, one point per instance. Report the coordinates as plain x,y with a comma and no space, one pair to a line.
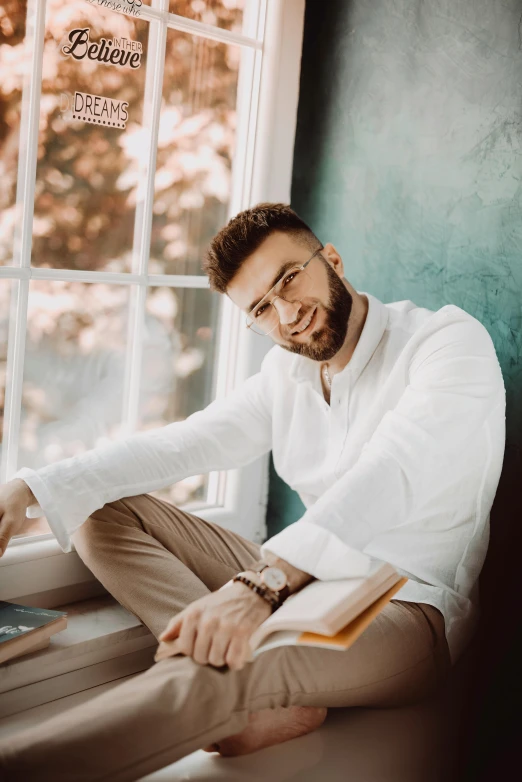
45,507
317,551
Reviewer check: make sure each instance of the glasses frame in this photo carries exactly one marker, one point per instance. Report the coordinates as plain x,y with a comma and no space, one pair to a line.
293,268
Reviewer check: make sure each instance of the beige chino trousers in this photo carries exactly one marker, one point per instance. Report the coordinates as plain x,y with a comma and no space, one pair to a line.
155,559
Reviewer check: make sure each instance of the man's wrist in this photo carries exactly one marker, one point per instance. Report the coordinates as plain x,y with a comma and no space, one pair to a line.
297,579
29,497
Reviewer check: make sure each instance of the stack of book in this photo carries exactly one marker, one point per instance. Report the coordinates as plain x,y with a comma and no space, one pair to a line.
24,629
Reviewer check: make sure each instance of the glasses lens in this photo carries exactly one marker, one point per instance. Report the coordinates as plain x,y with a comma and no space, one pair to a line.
264,322
294,286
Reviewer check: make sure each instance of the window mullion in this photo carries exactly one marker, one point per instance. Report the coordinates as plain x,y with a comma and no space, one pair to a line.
157,42
106,278
242,165
29,129
193,27
231,322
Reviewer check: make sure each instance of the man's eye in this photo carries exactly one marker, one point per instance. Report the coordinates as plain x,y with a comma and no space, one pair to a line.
290,277
260,310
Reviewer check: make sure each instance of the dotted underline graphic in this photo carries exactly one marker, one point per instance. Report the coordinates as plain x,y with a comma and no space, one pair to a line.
99,121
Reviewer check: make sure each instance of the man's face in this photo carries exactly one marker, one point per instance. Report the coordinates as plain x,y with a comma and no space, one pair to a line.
327,295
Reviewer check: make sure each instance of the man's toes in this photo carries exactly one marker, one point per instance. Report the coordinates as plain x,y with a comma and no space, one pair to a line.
231,747
269,727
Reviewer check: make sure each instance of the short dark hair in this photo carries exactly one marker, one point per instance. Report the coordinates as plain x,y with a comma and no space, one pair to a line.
244,233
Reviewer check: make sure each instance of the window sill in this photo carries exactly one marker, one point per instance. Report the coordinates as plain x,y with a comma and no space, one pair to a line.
38,573
103,642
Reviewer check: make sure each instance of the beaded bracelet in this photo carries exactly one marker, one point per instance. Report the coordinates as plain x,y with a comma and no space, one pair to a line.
259,590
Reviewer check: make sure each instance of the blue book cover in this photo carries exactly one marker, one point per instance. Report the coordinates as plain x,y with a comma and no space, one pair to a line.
17,620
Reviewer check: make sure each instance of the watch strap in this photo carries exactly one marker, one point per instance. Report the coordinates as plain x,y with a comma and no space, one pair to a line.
258,567
282,594
262,591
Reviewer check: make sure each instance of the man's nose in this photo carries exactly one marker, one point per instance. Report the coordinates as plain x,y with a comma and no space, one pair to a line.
287,310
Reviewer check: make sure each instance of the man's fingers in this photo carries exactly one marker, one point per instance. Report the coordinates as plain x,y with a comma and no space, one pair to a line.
6,533
187,635
166,649
218,650
237,652
172,629
205,632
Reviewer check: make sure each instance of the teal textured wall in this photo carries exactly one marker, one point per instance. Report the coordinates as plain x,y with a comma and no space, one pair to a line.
408,159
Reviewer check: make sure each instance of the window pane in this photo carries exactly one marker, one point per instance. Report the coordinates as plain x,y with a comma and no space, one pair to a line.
196,145
73,372
5,301
13,62
179,367
227,14
84,204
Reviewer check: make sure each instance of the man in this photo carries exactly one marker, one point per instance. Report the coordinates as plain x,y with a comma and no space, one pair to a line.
389,422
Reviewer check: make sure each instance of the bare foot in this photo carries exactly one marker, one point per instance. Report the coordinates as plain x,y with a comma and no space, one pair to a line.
268,727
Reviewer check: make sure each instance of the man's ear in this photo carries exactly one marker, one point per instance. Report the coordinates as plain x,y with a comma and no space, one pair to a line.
333,258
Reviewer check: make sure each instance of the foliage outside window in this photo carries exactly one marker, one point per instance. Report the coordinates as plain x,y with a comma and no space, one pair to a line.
86,194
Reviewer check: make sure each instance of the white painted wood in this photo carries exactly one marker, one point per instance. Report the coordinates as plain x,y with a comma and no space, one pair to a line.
267,150
278,100
84,678
200,29
97,630
143,221
102,642
246,490
41,567
35,716
107,278
23,238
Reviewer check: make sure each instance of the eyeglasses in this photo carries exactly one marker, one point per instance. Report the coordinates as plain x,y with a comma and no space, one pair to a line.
294,286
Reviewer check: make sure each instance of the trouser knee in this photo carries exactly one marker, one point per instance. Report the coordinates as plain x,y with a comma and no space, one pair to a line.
92,537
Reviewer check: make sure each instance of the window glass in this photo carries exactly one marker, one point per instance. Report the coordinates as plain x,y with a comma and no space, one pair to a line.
13,63
84,205
195,150
227,14
91,144
178,374
73,371
5,301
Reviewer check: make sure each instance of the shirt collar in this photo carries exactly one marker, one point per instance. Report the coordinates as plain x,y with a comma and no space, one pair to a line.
304,369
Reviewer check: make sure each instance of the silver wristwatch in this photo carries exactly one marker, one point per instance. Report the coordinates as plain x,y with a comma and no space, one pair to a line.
274,579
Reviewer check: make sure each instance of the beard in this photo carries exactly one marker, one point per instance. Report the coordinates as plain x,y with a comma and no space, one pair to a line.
327,341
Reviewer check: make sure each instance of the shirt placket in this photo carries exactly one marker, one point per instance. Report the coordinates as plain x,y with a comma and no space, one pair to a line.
339,397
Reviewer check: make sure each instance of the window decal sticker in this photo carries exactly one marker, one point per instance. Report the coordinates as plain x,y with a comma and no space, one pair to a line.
122,52
129,7
95,108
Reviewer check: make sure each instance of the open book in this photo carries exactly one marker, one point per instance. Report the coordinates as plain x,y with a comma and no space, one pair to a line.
328,614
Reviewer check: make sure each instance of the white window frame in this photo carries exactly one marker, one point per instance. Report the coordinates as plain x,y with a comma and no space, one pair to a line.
36,567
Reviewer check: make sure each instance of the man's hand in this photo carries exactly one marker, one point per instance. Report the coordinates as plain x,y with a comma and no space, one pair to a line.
15,498
216,629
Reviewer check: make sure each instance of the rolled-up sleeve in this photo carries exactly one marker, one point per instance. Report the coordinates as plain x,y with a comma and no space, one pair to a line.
454,383
229,433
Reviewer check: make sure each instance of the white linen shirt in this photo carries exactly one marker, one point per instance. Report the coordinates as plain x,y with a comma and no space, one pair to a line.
402,465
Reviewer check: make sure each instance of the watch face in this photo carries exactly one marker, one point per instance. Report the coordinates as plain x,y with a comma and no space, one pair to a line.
274,578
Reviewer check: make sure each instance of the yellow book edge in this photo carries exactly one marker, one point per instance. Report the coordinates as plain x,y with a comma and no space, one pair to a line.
349,634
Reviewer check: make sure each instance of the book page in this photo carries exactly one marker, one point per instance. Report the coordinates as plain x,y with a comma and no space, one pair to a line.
338,642
312,607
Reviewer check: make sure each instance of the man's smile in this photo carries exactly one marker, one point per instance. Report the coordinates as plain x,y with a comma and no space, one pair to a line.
306,324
